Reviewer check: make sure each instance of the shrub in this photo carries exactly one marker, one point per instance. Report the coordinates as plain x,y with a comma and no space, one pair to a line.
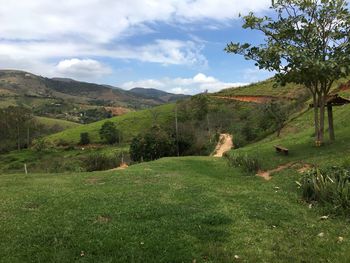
109,133
84,138
102,161
39,145
250,164
155,144
328,186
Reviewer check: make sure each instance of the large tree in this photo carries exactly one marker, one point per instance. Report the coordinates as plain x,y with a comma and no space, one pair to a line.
306,42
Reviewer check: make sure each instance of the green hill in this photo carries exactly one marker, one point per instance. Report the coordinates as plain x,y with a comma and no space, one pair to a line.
130,124
188,209
52,123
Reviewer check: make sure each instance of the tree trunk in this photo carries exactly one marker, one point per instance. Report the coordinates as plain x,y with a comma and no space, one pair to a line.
330,123
322,118
316,119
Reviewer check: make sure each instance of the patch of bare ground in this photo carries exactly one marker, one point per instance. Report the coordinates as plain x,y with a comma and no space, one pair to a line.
122,166
300,167
224,145
103,219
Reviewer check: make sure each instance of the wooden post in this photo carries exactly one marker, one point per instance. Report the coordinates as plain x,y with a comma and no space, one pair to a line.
25,169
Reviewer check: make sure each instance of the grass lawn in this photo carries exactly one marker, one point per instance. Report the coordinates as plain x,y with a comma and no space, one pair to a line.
171,210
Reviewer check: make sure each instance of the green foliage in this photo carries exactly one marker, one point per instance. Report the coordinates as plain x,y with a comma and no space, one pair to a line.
154,144
102,161
306,42
40,145
249,163
330,186
84,138
109,133
93,115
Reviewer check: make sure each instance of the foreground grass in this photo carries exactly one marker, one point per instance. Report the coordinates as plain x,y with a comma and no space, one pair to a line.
171,210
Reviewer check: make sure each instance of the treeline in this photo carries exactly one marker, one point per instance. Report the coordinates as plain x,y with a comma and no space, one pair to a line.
19,128
198,122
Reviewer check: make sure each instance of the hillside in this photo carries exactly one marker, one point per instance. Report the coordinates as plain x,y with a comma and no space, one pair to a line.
68,99
187,209
130,124
154,210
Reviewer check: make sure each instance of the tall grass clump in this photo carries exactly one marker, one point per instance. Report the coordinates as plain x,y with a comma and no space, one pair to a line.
330,187
249,163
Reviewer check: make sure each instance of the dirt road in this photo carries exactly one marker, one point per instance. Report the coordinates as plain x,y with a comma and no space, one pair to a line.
225,144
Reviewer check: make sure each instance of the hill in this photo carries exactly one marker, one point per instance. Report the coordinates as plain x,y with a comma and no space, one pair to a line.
158,94
130,124
67,99
187,209
154,210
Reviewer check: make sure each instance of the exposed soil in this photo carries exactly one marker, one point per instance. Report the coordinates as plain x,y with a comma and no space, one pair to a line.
117,111
254,99
103,219
224,145
121,167
267,174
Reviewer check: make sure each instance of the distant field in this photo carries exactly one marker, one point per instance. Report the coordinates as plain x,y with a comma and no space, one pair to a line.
50,122
130,125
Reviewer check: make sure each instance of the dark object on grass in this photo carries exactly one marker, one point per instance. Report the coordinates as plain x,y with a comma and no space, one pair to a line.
281,149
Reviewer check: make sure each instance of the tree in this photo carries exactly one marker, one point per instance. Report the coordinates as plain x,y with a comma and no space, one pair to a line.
109,133
306,42
277,113
84,138
152,145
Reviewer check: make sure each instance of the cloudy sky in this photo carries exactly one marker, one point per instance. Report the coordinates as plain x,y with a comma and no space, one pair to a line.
173,45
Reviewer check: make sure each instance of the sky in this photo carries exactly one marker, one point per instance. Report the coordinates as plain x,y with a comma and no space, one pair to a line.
172,45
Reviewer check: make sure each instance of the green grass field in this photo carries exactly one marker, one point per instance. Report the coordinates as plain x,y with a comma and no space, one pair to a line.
188,209
172,210
130,124
50,122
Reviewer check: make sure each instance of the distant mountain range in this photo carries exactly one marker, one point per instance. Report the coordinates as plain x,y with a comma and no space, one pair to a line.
156,94
37,92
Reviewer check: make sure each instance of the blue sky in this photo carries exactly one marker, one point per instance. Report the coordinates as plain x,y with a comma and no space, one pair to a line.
173,45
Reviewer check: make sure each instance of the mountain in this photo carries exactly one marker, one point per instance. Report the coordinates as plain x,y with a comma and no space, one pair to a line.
159,95
69,99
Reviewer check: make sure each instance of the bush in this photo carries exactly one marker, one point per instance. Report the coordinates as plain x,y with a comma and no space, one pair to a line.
155,144
84,138
39,145
102,161
109,133
330,186
250,164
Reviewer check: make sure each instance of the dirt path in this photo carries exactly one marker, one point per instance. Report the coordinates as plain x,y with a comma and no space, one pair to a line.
225,144
302,168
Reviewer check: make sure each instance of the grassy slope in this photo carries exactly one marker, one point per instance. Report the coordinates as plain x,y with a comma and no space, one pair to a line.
50,122
178,209
171,210
298,137
130,124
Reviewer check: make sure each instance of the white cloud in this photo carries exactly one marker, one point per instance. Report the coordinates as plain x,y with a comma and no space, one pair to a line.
103,20
82,68
49,31
199,83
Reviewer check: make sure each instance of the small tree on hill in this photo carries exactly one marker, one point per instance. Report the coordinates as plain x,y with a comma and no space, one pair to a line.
307,42
109,133
84,138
